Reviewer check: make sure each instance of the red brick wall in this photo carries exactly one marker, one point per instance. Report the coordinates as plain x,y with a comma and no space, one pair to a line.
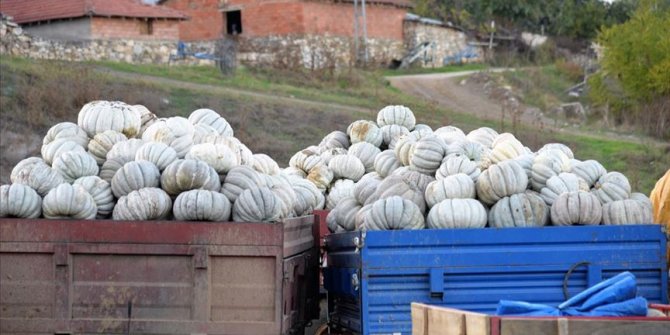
270,17
338,19
110,28
205,20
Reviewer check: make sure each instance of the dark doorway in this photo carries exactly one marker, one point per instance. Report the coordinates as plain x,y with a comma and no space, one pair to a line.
234,22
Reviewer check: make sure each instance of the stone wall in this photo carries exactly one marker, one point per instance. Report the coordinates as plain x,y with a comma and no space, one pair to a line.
449,44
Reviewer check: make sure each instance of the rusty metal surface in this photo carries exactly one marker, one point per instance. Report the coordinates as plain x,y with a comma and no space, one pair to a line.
178,277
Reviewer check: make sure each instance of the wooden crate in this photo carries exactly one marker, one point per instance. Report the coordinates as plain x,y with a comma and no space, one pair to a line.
433,320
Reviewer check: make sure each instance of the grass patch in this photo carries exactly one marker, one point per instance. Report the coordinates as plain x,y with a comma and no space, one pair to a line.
543,87
443,69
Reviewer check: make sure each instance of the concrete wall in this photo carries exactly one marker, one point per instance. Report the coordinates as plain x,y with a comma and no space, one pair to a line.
70,30
126,28
450,45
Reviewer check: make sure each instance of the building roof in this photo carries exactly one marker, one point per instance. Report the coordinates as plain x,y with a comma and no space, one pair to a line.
28,11
396,3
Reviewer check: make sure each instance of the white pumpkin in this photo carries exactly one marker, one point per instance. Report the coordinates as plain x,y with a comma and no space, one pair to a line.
420,131
305,160
343,216
505,147
56,148
36,174
75,164
456,213
321,176
472,150
415,178
386,162
218,156
157,153
391,133
458,186
557,146
101,191
526,162
396,115
110,166
188,174
612,186
66,130
202,132
427,154
366,186
292,171
336,139
307,196
98,116
450,134
327,154
626,212
483,136
133,176
393,213
403,149
455,164
265,164
147,118
346,167
144,204
365,131
287,196
213,119
562,183
125,149
501,180
176,132
519,210
366,152
546,165
202,205
589,170
257,204
241,178
69,202
397,185
576,208
19,201
359,219
643,199
101,143
341,189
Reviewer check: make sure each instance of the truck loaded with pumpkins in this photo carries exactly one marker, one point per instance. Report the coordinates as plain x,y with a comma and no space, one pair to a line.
128,222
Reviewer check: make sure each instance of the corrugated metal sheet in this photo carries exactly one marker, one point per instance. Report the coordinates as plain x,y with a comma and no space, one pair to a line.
474,269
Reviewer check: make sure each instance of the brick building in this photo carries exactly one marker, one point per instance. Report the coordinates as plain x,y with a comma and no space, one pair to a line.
81,20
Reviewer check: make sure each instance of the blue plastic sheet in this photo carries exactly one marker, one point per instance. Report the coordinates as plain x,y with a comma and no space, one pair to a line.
616,296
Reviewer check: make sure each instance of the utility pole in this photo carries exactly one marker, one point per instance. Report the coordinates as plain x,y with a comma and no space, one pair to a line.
360,33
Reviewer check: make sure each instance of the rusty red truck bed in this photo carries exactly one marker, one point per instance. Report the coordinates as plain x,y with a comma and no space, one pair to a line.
151,277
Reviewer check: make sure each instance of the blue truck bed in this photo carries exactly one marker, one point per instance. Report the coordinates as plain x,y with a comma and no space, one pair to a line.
372,278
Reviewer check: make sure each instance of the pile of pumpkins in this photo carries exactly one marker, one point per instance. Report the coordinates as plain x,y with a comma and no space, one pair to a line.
122,161
396,174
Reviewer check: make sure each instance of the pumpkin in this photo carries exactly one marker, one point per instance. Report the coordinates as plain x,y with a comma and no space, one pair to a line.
519,210
643,199
505,147
397,185
66,130
336,139
458,186
69,202
232,143
201,205
386,162
343,216
456,213
403,149
176,132
393,213
75,164
265,164
366,186
396,115
589,170
450,134
359,218
501,180
526,162
240,178
472,150
101,143
341,189
391,133
562,183
202,132
321,175
101,191
218,156
19,201
415,178
98,116
422,128
287,196
305,160
56,148
366,152
557,146
455,164
133,176
257,204
660,199
125,149
612,186
327,154
626,212
576,208
110,166
144,204
346,167
157,153
292,171
36,174
188,174
147,118
365,131
483,136
307,196
546,165
427,155
212,119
